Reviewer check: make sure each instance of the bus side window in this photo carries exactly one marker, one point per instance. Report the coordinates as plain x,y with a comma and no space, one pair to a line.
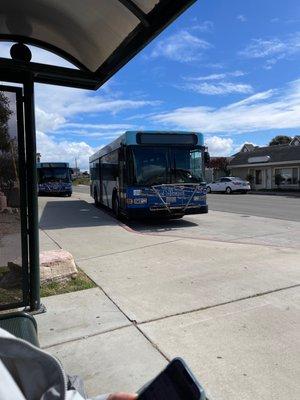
109,166
129,175
122,165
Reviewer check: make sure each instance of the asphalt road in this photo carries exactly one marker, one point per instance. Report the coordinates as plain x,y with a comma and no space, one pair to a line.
81,189
279,207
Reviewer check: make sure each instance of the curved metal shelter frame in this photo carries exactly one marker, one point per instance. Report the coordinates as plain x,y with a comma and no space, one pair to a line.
98,37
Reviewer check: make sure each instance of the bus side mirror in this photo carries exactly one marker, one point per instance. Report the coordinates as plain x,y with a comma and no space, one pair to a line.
206,159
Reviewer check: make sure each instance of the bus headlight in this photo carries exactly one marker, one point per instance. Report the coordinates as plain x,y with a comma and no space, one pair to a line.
197,198
140,200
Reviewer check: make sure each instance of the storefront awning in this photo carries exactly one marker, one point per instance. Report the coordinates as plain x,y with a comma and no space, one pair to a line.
96,36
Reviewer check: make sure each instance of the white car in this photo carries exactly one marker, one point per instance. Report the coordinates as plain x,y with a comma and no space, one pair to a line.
229,184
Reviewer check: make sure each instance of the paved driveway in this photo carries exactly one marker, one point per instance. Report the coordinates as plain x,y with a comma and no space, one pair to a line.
221,290
286,207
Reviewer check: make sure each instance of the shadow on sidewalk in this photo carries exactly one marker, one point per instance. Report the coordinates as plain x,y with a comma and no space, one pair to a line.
73,214
160,225
62,214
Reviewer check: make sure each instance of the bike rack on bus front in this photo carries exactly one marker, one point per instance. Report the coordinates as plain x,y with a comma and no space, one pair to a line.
159,196
165,203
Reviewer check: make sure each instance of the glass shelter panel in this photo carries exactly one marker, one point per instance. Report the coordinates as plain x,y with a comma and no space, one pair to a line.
12,260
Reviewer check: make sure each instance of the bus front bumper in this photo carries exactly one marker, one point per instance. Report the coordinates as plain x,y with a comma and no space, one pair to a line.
164,212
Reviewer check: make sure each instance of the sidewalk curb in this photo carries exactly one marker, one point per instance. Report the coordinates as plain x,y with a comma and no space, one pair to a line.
291,194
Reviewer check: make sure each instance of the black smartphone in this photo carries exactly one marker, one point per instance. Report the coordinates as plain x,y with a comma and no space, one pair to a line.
175,382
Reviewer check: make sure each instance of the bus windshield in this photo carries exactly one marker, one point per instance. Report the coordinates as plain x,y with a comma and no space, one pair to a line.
56,174
161,165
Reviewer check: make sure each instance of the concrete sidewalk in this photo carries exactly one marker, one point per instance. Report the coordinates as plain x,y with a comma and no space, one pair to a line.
230,309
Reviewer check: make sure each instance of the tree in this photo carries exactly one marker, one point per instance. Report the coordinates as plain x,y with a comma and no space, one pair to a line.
250,178
280,139
278,180
8,148
220,164
5,113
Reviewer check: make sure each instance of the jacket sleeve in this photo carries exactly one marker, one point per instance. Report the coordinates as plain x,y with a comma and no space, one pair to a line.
9,390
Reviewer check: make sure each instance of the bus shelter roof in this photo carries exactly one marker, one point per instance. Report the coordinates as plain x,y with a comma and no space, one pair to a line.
97,36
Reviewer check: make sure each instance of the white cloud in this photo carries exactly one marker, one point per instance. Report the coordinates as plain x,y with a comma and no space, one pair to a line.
217,84
215,65
57,108
77,125
67,151
96,131
212,77
218,146
91,132
272,49
260,48
56,105
181,46
46,121
254,98
205,26
241,18
219,88
215,77
272,109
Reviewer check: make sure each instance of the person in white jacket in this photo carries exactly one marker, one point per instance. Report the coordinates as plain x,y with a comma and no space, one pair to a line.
29,373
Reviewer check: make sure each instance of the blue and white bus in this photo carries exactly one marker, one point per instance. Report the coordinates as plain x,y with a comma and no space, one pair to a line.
151,173
54,178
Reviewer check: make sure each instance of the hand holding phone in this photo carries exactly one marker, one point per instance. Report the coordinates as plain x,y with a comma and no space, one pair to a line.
175,382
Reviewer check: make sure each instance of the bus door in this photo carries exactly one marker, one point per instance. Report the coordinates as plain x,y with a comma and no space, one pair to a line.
100,180
122,181
109,165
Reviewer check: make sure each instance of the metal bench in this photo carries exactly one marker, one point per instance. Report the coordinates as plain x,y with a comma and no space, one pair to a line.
22,325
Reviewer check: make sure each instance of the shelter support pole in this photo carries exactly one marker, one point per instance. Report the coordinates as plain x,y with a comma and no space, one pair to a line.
32,195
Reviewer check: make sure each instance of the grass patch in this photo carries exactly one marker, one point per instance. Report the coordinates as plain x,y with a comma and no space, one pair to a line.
81,181
8,296
80,282
12,295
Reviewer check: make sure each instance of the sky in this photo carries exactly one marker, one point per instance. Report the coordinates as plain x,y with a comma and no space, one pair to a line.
226,68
